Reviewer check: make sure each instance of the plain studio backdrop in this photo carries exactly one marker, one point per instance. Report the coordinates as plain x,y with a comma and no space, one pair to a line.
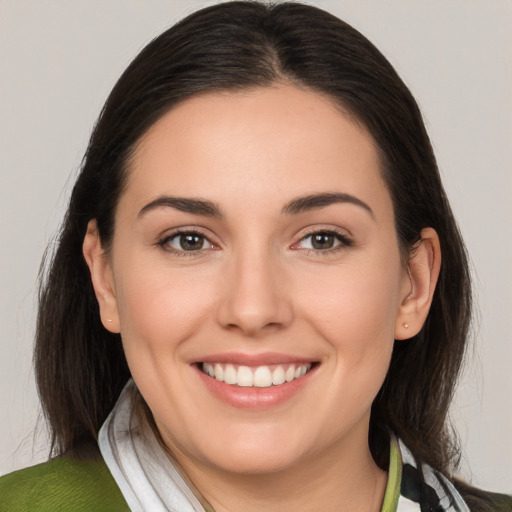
60,59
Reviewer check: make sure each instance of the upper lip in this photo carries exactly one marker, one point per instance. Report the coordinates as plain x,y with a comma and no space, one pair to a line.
263,359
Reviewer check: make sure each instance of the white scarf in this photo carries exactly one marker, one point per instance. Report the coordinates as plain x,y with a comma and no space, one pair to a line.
143,471
150,482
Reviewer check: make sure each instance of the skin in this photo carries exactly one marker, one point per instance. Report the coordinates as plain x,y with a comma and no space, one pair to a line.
257,286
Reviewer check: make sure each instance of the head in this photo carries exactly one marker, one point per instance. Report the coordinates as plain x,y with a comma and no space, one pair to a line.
234,49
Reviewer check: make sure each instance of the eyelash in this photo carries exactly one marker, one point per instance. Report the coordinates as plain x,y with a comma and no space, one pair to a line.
344,242
164,243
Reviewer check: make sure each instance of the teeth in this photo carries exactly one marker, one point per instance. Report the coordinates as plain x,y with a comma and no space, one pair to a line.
260,377
290,373
230,374
263,377
244,376
278,376
218,372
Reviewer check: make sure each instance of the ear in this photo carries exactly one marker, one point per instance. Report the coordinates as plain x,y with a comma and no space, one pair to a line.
102,278
419,286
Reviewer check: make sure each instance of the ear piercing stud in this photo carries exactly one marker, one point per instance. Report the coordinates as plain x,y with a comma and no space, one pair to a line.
406,325
109,319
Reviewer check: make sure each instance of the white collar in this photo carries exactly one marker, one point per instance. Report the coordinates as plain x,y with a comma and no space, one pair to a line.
144,473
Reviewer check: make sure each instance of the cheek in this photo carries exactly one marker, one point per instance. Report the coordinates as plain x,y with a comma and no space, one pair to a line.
354,310
158,307
362,302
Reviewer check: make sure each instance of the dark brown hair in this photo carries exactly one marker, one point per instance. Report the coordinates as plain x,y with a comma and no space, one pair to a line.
81,368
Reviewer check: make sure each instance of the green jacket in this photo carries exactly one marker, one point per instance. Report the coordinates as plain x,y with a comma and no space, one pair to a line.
62,485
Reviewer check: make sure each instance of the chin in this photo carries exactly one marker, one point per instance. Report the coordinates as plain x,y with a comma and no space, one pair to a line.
251,455
257,462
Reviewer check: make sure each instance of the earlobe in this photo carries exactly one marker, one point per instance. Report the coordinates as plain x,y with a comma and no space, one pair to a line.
423,271
102,278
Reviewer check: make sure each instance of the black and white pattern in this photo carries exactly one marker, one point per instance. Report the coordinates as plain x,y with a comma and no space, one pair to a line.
424,490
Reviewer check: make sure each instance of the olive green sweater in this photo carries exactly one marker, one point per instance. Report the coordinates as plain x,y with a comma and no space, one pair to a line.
62,485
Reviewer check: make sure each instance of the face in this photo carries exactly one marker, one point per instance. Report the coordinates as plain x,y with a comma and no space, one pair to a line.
257,279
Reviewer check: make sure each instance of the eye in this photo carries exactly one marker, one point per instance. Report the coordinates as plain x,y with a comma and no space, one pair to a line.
188,241
323,241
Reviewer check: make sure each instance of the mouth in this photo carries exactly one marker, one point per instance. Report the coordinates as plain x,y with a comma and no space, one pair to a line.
262,376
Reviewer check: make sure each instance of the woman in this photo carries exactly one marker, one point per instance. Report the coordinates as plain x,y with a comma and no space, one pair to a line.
256,240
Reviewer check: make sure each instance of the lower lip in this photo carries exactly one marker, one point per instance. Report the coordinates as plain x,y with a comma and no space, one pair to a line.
252,397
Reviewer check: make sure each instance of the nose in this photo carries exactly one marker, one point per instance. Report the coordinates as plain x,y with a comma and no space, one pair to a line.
254,299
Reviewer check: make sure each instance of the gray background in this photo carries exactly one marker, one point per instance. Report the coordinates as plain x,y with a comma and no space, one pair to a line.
59,59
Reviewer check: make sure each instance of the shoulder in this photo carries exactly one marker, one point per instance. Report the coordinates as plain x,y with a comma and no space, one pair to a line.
501,502
479,500
61,484
434,490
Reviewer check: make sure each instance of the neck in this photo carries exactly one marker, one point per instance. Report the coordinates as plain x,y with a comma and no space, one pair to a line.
346,482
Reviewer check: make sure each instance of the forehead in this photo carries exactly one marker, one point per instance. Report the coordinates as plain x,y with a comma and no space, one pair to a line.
270,141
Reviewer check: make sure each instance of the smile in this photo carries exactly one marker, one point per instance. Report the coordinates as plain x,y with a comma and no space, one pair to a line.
259,377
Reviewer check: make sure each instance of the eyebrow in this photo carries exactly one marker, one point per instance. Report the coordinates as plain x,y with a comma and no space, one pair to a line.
211,209
184,204
317,201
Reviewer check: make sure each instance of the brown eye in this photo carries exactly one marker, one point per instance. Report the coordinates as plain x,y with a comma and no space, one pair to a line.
191,242
187,242
324,241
